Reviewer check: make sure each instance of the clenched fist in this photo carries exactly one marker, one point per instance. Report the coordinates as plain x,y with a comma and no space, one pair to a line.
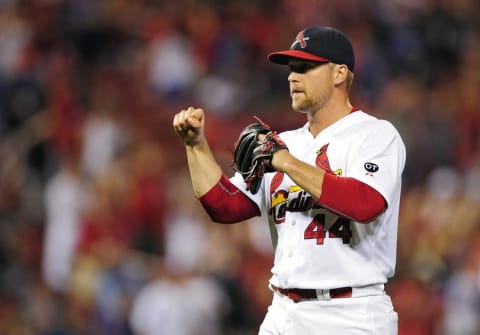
189,124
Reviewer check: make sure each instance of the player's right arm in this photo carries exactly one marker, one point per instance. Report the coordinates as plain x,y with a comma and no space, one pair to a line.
221,199
205,172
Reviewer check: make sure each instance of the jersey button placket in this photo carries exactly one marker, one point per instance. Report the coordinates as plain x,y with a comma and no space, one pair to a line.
289,246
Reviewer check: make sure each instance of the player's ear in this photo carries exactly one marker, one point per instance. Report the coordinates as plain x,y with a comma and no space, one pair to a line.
340,73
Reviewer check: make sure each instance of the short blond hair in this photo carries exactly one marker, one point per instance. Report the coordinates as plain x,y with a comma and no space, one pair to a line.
349,80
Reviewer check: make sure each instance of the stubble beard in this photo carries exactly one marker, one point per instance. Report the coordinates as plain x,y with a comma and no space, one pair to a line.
309,105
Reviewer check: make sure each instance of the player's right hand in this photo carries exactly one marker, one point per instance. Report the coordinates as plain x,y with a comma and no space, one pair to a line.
189,124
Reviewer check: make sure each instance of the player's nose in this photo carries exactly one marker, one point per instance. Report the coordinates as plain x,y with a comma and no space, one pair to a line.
293,77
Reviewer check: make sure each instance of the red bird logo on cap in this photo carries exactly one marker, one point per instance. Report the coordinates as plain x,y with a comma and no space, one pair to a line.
300,39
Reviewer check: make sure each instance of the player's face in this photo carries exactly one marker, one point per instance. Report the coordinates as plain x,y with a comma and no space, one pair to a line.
311,85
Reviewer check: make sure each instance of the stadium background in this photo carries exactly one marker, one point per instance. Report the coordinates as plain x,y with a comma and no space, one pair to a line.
99,230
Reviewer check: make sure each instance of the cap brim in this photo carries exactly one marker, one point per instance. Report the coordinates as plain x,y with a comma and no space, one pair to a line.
282,57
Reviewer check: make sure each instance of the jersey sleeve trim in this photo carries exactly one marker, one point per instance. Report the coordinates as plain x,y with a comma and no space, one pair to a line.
225,203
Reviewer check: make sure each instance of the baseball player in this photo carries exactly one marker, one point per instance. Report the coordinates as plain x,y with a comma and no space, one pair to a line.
331,192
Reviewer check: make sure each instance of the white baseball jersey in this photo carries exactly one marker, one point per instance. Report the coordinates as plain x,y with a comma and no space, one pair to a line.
315,248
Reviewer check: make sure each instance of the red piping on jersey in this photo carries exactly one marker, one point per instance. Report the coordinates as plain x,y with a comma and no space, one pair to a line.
225,203
351,198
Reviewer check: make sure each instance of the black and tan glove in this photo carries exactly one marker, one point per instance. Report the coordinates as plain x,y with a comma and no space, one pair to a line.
252,157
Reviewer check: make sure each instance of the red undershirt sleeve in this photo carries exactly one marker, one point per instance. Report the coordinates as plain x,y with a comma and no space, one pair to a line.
351,198
225,203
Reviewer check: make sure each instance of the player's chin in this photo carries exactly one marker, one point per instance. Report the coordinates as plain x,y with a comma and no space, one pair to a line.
299,108
300,103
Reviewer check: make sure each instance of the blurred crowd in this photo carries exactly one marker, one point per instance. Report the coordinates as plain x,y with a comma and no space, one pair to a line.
100,232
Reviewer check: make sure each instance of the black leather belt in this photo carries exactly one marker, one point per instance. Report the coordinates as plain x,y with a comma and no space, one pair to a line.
300,294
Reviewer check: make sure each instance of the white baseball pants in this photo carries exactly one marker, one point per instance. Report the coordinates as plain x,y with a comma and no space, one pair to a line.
371,314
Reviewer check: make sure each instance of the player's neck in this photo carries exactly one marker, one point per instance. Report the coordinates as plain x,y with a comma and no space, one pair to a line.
327,115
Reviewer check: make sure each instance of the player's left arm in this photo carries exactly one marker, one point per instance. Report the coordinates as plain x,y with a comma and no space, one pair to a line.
345,196
353,197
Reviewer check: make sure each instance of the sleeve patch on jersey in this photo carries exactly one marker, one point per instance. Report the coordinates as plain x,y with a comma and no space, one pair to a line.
371,167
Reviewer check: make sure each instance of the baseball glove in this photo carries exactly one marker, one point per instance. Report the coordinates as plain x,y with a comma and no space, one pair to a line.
252,158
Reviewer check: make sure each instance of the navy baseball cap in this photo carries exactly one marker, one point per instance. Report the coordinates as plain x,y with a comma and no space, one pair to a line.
319,44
